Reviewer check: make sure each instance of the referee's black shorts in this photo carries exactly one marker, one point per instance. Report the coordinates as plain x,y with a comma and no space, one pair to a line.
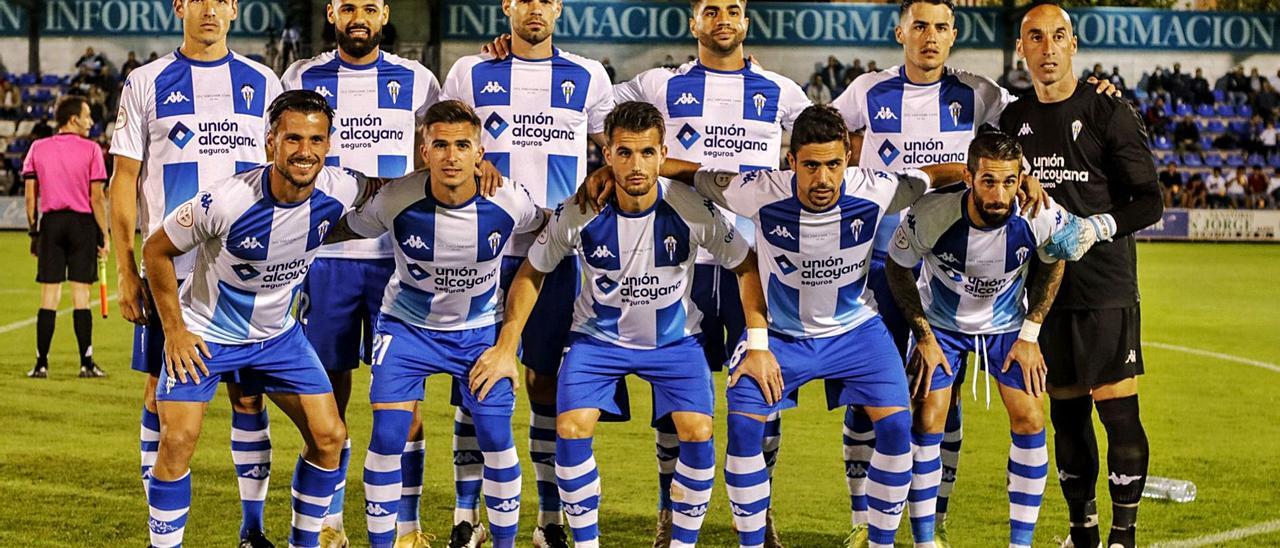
1092,347
68,248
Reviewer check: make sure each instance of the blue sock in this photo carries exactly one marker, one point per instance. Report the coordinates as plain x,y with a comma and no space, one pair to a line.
169,502
251,454
468,462
889,478
667,447
926,472
313,489
695,472
542,451
579,483
859,443
382,474
747,479
334,515
150,443
501,477
411,465
1028,470
951,441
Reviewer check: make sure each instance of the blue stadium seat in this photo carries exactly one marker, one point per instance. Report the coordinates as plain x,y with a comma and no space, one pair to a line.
50,80
1213,159
1226,109
1204,110
1206,142
1168,109
1239,127
1183,109
1255,159
1219,95
1192,159
1216,126
1234,159
1244,110
1162,143
27,79
1274,161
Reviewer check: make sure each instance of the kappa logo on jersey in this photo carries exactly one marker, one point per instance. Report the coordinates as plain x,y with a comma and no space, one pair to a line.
417,272
947,257
495,238
955,108
567,87
602,252
493,87
606,285
247,91
781,232
886,113
180,135
375,509
856,228
888,153
323,91
495,125
414,242
249,242
1121,479
206,200
246,272
688,136
393,88
257,472
1022,253
559,210
175,97
670,244
687,98
785,265
1076,126
759,101
1025,130
509,505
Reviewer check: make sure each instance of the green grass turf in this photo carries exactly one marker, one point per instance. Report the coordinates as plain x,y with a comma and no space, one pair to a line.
69,449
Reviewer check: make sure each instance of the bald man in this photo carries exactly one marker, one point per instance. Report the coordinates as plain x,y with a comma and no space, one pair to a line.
1090,152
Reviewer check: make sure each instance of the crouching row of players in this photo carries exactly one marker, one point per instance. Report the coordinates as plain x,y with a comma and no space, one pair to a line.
256,234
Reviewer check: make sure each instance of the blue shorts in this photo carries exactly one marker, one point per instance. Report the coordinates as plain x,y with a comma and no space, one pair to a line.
341,300
148,340
592,368
957,346
893,319
544,339
715,293
860,367
407,355
285,364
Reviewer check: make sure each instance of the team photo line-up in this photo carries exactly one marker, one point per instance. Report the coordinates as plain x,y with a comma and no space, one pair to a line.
358,210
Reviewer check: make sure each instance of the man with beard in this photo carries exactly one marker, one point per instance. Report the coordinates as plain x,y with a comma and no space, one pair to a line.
194,116
380,100
254,234
539,106
977,249
1091,152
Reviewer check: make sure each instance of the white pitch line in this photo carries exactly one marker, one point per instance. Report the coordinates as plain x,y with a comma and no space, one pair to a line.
29,321
1228,357
1225,536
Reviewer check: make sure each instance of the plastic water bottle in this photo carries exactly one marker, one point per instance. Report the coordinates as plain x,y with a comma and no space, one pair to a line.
1175,490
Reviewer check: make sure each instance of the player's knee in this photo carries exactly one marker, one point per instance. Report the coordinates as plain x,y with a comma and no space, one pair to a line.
931,418
178,439
570,429
1026,422
694,429
329,438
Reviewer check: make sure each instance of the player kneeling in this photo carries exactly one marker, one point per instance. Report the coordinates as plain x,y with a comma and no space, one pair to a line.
255,234
971,298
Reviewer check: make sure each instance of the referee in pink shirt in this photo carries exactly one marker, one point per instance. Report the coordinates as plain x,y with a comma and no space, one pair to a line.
65,175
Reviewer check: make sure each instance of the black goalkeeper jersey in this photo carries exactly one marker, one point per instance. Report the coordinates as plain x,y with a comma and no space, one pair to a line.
1090,152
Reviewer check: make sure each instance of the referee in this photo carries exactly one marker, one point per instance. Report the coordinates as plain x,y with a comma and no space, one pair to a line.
1090,152
65,175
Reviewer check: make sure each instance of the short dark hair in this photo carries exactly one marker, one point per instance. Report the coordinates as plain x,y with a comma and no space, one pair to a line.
906,5
302,101
451,112
68,107
992,145
693,4
818,124
635,116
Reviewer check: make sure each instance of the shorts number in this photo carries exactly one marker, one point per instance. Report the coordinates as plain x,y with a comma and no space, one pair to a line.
380,345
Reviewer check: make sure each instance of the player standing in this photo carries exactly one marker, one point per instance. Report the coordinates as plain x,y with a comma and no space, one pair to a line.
194,116
635,317
380,100
538,107
255,235
1091,152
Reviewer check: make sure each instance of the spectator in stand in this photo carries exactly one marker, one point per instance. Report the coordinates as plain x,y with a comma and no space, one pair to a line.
1156,119
1018,80
1266,102
152,57
1116,79
1171,185
833,76
1267,138
1257,186
668,63
1237,86
608,69
1237,189
817,90
1273,187
1201,94
1256,81
90,59
10,100
1155,82
871,66
1216,184
1196,195
1098,72
1186,135
1178,84
853,71
128,66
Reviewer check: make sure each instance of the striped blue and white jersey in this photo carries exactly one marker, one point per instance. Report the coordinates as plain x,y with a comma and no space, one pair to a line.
909,125
378,107
973,278
447,258
638,267
191,123
536,117
732,121
252,251
814,263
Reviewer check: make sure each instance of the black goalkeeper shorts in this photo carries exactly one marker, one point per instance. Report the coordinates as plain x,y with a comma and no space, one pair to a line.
1092,347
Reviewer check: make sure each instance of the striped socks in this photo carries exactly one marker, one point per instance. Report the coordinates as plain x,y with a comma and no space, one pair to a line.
251,454
747,479
859,442
926,473
383,482
1028,470
542,451
579,483
889,478
501,483
691,491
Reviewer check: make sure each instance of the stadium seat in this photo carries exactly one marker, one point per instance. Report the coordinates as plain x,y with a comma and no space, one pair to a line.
26,79
1244,110
1213,159
1206,142
1225,109
25,127
1219,95
1183,109
1216,126
1274,161
1255,159
1162,143
1204,110
50,80
1168,109
8,128
1235,159
1239,127
1192,159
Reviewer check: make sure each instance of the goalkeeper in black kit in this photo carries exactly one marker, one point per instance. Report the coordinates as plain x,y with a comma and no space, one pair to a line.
1090,152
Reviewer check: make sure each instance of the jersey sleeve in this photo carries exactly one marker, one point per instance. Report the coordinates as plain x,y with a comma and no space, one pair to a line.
850,107
709,228
794,101
97,167
274,88
1130,157
631,90
994,100
912,184
136,104
529,217
559,237
195,221
370,219
29,162
292,78
600,102
907,250
433,92
455,83
729,189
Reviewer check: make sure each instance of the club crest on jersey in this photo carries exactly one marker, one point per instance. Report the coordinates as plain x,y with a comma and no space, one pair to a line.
322,229
185,216
393,88
1076,126
669,243
323,91
886,113
759,100
567,87
493,87
495,238
1022,253
175,97
955,108
247,91
856,228
1025,130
